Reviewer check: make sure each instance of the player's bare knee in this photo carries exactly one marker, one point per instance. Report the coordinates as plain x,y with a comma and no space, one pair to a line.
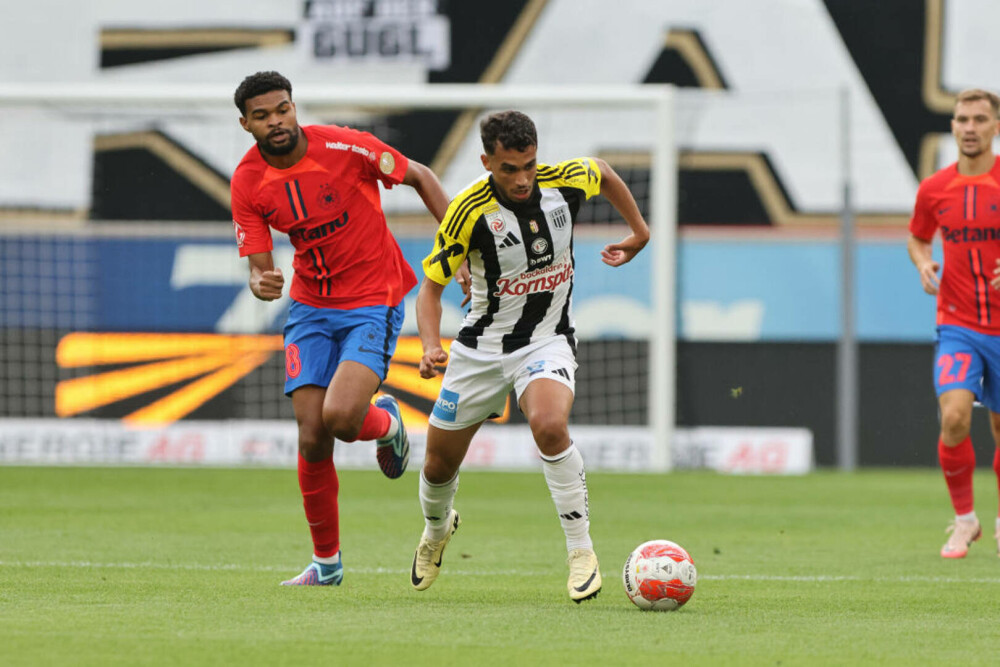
955,424
435,474
551,434
345,431
343,423
438,470
315,444
953,436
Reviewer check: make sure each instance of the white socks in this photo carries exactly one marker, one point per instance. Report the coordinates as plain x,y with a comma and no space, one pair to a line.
436,501
332,560
567,482
393,429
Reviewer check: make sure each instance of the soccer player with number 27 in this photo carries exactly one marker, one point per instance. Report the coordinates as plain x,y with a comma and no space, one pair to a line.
963,201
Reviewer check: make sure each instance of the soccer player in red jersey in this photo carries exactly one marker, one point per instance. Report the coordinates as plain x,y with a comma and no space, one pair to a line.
320,185
963,201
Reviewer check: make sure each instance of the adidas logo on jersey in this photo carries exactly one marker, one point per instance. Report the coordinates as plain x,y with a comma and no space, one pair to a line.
510,241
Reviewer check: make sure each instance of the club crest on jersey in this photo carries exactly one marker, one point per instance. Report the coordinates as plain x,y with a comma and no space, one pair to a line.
494,220
539,246
533,226
558,217
328,196
387,163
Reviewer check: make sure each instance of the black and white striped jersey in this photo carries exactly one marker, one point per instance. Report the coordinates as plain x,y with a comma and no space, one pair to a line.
521,256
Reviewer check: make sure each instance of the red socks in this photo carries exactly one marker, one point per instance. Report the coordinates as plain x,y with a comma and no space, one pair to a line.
376,424
958,463
319,485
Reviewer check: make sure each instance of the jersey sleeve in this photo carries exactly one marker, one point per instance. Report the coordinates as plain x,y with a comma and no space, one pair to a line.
379,159
579,173
923,223
450,246
252,233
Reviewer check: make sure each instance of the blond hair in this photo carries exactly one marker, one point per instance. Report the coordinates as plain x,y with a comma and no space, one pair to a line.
976,94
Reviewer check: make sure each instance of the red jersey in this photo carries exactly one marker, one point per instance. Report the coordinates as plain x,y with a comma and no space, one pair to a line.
329,205
967,210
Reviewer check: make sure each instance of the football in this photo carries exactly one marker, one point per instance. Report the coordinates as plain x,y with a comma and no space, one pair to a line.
659,576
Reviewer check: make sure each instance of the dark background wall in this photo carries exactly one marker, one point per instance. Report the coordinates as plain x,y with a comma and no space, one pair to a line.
794,384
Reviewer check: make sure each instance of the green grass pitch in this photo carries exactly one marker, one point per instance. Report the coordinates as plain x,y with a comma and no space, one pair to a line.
138,566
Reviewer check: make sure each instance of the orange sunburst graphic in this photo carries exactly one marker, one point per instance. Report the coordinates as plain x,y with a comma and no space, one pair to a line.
207,364
211,362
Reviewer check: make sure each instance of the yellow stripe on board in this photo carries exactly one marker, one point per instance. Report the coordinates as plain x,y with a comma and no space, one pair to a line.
185,400
408,348
86,393
414,419
408,379
94,349
211,362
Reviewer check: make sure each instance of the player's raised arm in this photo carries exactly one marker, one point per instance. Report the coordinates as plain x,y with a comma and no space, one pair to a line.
615,191
426,183
266,280
429,327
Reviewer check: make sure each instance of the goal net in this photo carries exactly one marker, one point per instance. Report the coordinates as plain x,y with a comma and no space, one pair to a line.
126,323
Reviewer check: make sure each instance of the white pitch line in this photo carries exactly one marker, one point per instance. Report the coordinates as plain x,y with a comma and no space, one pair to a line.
221,567
823,578
245,568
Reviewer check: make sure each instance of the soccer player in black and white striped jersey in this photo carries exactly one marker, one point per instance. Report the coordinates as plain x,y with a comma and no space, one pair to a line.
515,227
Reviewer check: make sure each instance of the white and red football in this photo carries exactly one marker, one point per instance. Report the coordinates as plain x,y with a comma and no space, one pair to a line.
659,575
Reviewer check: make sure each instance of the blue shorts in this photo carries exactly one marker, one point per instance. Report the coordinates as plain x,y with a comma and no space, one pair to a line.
318,339
967,359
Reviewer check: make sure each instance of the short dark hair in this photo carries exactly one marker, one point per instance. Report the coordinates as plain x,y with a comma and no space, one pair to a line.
512,129
258,84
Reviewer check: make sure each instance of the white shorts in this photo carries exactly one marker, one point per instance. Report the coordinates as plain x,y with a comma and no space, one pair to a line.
476,384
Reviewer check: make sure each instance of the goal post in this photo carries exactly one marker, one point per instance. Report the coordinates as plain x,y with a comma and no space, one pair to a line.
572,121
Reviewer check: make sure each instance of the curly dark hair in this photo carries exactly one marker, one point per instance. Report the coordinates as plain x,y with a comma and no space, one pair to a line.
512,129
258,84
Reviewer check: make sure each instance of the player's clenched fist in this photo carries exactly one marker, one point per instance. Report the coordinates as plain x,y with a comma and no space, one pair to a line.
432,358
928,277
267,285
